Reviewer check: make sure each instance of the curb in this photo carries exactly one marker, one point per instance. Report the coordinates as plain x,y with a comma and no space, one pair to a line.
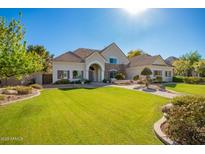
162,137
22,99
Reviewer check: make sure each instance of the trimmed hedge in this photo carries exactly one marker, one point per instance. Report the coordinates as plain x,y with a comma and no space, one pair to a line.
190,80
178,79
186,120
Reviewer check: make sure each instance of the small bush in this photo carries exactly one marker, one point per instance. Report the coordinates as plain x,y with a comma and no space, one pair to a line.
62,81
136,77
106,81
2,97
120,76
158,79
36,86
186,122
23,90
178,79
87,81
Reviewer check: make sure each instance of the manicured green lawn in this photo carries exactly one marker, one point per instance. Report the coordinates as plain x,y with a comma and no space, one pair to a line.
83,116
188,88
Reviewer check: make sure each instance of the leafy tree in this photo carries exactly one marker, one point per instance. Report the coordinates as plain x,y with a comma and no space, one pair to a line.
44,54
181,67
147,72
199,67
191,57
134,53
14,60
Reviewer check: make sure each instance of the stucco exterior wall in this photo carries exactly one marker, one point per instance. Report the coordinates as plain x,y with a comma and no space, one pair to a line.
114,52
95,58
67,66
132,71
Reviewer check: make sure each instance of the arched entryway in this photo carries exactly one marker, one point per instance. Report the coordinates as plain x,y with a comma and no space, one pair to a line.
95,73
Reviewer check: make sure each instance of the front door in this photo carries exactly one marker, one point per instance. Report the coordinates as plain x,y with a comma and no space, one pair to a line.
91,75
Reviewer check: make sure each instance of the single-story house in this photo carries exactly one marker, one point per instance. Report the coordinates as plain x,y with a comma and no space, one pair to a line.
96,65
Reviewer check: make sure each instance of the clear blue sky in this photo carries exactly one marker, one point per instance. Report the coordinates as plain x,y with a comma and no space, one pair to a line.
168,32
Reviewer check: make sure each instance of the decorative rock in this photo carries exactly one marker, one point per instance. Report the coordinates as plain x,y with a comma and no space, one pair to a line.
167,107
10,92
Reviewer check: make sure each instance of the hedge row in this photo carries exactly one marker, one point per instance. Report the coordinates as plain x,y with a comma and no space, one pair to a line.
191,80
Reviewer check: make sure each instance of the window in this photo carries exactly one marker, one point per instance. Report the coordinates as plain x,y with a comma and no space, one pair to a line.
75,74
112,74
113,61
168,73
62,74
157,73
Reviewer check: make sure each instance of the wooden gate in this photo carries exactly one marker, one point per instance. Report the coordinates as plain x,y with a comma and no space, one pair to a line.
47,79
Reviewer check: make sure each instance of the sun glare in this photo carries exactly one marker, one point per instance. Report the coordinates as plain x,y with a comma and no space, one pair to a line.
135,11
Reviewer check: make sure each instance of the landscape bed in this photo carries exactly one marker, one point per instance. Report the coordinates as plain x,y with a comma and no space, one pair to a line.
105,115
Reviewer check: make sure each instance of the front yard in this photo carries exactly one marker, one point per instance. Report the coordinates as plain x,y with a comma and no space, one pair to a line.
82,116
187,88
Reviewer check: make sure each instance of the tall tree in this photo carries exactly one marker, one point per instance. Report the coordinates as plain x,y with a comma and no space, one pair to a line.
44,54
199,67
14,60
181,67
192,57
134,53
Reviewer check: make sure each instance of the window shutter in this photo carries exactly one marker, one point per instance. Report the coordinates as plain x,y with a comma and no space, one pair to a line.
82,74
68,74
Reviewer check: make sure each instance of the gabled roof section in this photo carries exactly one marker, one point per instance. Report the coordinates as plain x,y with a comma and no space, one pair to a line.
142,60
112,44
96,52
84,52
69,57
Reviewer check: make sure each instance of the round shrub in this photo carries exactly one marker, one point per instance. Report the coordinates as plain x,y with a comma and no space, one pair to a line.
136,77
120,76
186,120
23,90
36,86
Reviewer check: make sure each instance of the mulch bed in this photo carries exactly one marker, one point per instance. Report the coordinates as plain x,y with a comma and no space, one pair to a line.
10,98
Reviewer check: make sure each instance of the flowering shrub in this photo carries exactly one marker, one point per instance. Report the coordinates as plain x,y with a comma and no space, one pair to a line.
186,120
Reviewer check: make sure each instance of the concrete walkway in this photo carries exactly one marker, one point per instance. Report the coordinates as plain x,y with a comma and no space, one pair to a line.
137,87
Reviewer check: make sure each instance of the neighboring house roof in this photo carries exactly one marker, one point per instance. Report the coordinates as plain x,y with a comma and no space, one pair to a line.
171,60
142,60
69,57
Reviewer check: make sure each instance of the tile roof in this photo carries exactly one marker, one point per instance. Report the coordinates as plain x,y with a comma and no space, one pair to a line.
69,57
142,60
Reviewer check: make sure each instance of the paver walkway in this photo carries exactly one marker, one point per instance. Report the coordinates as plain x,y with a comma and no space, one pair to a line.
154,92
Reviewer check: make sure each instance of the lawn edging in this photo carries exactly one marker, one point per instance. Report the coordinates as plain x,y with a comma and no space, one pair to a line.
22,99
160,134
